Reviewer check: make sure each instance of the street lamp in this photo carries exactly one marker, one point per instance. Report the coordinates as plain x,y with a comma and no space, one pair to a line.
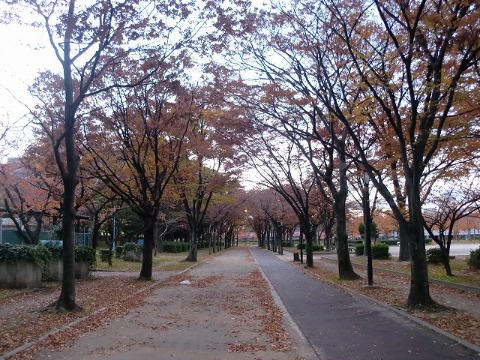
368,227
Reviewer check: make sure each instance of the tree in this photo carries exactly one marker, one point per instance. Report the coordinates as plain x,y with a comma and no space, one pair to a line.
323,216
284,97
26,201
456,201
255,216
225,214
374,229
92,43
416,69
283,170
136,145
196,189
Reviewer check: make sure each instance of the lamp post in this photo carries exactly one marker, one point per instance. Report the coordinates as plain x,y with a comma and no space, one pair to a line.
368,227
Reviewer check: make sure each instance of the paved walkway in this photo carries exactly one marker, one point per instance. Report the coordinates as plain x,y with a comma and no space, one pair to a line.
343,327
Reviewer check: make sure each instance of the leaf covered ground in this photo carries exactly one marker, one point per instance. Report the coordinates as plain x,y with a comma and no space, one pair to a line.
23,318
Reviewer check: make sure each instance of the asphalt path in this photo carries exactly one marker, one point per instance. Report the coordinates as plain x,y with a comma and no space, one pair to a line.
341,326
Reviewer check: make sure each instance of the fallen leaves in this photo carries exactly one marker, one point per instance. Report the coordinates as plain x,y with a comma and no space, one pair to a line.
102,300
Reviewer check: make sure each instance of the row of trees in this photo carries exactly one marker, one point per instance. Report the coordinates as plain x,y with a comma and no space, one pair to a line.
312,93
383,88
119,117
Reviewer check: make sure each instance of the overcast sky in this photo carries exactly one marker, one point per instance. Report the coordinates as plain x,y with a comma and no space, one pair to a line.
22,58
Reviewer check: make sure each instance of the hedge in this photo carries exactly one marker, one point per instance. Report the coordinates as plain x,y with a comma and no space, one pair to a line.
474,260
35,254
359,249
175,247
380,251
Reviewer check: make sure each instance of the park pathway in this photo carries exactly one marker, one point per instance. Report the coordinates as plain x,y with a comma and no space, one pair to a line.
341,326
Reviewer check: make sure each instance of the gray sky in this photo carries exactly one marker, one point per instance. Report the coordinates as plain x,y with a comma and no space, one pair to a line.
22,58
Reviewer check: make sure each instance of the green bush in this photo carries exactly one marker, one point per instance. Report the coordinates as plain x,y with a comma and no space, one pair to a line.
171,247
359,249
318,247
55,249
301,246
104,255
175,247
286,244
118,251
380,251
474,260
435,256
85,254
35,254
129,246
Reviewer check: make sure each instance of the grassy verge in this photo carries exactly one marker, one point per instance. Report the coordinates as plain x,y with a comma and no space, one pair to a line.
161,262
462,273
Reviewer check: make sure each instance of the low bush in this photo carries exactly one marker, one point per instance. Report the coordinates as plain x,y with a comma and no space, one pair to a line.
118,251
129,246
286,244
85,254
359,249
318,247
35,254
380,251
434,256
301,246
104,255
171,247
175,247
474,259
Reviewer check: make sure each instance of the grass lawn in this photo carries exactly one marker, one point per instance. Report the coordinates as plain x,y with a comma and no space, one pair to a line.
462,273
161,262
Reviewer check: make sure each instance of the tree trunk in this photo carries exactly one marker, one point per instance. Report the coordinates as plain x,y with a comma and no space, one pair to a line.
404,254
267,237
309,235
148,244
345,268
446,258
192,253
67,298
419,287
279,237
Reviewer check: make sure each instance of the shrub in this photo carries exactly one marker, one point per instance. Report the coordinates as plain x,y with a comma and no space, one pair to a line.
55,249
35,254
85,254
474,259
286,244
301,246
435,255
104,255
380,251
318,247
359,249
118,251
129,246
171,247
